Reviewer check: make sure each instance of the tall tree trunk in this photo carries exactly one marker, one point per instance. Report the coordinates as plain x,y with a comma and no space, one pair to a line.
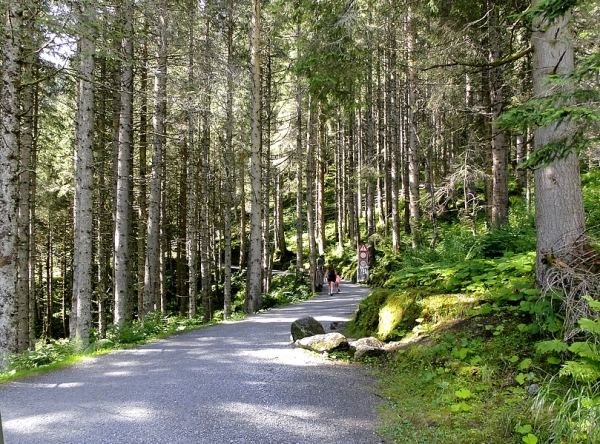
253,283
340,182
499,140
84,156
395,139
142,201
9,159
205,220
48,330
267,250
279,227
33,253
310,196
228,167
520,157
559,213
370,159
122,252
152,273
351,193
413,148
320,182
299,158
24,242
192,196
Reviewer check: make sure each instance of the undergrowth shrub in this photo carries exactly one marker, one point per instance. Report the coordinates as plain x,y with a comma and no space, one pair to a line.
43,354
155,324
568,408
286,289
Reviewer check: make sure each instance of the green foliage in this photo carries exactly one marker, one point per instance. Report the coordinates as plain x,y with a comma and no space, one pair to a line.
43,354
569,412
459,385
550,9
568,415
575,102
591,197
287,289
154,325
502,278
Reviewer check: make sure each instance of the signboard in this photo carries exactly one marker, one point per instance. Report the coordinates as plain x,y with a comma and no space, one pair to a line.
363,264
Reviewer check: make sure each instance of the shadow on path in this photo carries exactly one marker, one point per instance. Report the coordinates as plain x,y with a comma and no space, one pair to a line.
236,382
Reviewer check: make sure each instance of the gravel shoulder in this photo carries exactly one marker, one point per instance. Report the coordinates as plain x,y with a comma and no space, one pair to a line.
236,382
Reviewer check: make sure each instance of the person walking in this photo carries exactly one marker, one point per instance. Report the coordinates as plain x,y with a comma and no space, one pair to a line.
338,280
331,276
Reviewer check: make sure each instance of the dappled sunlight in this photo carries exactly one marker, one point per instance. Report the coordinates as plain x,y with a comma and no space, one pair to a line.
243,380
261,413
117,374
47,422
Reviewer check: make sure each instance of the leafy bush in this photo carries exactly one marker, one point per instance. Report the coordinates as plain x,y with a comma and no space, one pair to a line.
286,289
155,324
43,354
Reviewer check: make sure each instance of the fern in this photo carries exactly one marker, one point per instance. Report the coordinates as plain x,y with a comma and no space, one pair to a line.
586,371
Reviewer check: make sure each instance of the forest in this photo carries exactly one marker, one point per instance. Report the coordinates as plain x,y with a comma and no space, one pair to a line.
165,157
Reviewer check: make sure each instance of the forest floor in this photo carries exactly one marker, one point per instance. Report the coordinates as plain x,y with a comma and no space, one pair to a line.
235,382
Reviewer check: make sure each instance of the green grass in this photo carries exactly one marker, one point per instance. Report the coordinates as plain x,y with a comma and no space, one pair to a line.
459,383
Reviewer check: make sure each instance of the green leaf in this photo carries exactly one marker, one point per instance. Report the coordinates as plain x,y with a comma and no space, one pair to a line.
530,439
460,407
520,378
553,346
581,371
460,353
463,393
523,429
590,326
553,360
592,303
584,349
525,364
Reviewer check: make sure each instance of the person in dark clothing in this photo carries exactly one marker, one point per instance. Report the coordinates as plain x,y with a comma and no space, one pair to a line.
331,277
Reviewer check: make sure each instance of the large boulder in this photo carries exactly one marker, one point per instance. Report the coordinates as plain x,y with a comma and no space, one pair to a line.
307,326
324,342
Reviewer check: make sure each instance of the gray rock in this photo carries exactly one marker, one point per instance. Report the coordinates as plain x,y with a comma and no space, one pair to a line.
306,326
367,347
364,351
323,343
337,325
367,342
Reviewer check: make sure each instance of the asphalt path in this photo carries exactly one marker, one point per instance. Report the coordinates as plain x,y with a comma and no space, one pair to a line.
236,382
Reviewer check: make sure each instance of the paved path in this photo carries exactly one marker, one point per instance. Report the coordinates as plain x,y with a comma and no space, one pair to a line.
237,382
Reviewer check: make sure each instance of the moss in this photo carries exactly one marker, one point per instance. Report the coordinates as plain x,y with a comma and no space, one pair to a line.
392,312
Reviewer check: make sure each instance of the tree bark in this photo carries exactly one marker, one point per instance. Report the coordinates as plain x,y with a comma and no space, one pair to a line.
228,167
559,212
413,148
9,159
499,139
25,223
299,158
310,194
123,205
152,273
254,278
84,156
192,196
